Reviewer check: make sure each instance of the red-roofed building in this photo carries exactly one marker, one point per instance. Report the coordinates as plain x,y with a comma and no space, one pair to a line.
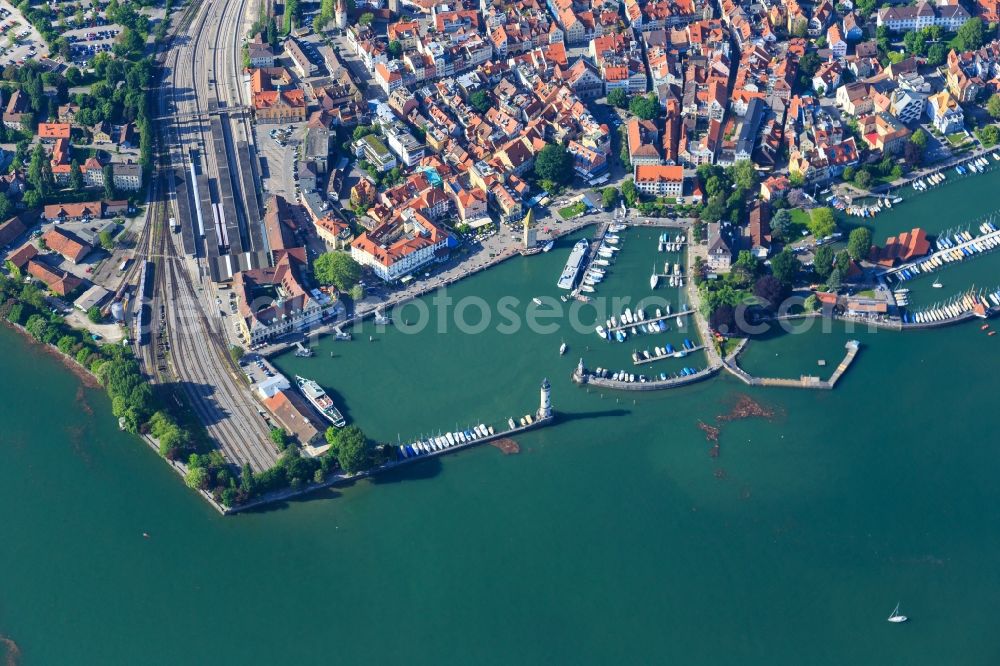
22,255
53,131
904,247
400,246
67,244
58,281
660,181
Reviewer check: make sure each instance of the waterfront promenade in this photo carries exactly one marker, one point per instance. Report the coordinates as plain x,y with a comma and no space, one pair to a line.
491,252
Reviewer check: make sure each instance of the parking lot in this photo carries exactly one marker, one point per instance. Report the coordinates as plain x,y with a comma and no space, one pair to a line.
310,46
20,40
256,368
85,43
277,147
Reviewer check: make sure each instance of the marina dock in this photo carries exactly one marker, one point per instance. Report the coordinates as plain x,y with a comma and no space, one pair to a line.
650,320
679,354
590,379
976,246
805,381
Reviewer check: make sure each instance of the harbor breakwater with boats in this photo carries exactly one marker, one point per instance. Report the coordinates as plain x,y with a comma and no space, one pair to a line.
421,448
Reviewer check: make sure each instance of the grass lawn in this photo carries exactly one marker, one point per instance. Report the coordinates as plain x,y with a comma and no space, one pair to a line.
572,210
800,222
728,345
957,139
867,293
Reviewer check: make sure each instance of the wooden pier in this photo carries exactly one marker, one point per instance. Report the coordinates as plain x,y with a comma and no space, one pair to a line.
649,320
805,381
661,357
947,255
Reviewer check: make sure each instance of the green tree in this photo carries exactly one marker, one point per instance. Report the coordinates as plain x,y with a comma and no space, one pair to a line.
395,49
936,55
480,101
94,314
744,175
785,267
644,106
197,478
236,353
618,98
823,261
352,449
338,269
770,292
992,106
357,293
32,199
915,43
366,19
109,181
554,163
629,193
36,170
970,35
609,197
106,239
75,176
863,179
747,262
280,438
859,243
781,224
989,136
822,222
834,282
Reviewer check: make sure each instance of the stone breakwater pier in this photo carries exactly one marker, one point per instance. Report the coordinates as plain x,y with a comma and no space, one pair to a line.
805,381
542,417
583,376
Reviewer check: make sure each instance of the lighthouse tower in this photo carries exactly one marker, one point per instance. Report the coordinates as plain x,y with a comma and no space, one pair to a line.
545,404
341,15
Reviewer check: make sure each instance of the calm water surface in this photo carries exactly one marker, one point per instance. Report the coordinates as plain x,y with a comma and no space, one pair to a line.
612,537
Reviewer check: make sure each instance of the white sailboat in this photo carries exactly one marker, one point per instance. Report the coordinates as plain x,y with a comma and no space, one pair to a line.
937,284
896,617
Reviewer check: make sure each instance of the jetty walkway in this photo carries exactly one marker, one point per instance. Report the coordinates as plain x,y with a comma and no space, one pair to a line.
649,320
805,381
948,256
343,478
681,353
591,379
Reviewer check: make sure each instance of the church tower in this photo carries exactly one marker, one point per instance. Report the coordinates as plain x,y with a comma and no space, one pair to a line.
341,15
530,232
545,403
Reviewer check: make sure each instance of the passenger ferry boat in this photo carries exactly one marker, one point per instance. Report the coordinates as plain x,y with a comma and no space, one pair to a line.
315,394
567,280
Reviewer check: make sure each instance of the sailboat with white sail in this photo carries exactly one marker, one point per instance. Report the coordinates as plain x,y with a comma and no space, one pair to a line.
895,617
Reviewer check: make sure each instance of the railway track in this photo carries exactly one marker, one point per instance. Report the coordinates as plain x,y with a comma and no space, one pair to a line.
197,363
